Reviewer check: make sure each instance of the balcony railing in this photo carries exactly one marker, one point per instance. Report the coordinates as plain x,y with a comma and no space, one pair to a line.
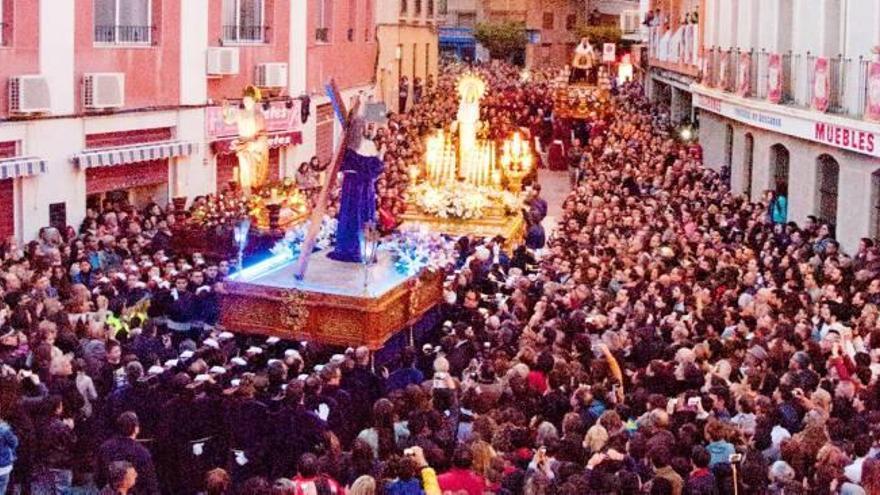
322,35
847,90
244,33
125,35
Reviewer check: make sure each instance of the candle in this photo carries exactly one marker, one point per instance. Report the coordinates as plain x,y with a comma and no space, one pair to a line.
274,194
235,174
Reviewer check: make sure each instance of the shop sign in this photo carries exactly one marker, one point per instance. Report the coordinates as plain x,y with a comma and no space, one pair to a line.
278,117
858,140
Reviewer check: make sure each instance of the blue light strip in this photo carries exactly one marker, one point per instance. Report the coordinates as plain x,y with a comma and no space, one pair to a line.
259,269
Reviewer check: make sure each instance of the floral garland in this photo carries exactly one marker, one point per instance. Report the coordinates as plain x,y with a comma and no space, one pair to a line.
290,245
415,250
462,200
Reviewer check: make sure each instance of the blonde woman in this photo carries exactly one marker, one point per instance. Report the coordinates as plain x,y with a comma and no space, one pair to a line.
365,485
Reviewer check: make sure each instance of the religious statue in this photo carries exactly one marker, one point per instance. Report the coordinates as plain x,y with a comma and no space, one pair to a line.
470,92
252,145
583,65
360,167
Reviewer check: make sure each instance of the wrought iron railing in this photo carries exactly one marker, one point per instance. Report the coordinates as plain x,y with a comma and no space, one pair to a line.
847,89
322,34
837,70
134,35
244,33
861,89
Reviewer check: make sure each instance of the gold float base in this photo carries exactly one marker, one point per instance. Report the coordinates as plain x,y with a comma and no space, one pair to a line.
332,305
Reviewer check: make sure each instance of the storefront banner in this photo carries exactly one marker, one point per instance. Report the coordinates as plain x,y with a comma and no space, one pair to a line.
278,117
774,78
723,66
744,76
864,141
872,106
278,140
821,82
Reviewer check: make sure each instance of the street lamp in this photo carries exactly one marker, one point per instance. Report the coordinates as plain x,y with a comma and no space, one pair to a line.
369,245
240,233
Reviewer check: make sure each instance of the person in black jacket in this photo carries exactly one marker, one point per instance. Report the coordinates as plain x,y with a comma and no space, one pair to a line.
297,430
125,447
56,442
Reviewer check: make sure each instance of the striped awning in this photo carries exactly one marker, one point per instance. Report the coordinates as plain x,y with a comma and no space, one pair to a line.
123,155
22,167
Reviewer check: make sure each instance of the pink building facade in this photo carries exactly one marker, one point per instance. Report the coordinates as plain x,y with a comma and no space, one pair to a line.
112,98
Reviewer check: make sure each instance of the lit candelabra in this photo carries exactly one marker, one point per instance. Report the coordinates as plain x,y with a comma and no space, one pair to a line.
516,161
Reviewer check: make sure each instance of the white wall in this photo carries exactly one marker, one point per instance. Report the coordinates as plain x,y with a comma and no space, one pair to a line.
193,52
56,53
854,190
192,175
55,141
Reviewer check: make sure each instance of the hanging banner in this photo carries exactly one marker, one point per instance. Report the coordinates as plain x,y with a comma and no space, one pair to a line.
821,84
774,78
744,68
723,66
609,52
872,105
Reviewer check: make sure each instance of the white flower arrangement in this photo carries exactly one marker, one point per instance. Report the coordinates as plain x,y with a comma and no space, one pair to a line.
462,200
289,246
415,250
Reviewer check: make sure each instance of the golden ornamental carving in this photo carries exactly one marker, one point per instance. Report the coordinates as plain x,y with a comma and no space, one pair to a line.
296,312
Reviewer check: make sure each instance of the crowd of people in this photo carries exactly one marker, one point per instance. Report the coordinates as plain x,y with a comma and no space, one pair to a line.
669,338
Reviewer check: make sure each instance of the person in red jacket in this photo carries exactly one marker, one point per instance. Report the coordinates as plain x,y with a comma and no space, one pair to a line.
461,478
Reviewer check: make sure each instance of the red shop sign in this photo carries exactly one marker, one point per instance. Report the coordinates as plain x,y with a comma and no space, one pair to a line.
227,146
278,117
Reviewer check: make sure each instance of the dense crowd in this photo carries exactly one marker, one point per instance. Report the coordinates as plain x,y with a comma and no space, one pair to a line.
670,338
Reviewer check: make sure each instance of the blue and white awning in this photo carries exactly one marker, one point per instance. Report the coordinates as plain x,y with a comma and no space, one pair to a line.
22,167
123,155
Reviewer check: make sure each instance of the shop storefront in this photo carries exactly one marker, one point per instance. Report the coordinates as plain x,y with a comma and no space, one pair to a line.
13,168
132,165
283,126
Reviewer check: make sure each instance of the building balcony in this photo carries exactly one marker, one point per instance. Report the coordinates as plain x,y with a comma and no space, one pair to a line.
749,74
675,50
125,35
243,34
322,35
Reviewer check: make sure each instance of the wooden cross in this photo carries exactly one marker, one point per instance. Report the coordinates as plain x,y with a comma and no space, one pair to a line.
344,116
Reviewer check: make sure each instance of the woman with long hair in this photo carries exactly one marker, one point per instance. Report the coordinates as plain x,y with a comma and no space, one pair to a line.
381,437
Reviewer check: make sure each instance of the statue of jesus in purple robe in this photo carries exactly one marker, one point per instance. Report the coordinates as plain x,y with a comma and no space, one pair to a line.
360,167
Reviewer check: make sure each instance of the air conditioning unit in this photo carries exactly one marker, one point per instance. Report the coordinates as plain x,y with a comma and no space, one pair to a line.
272,75
102,90
28,94
222,61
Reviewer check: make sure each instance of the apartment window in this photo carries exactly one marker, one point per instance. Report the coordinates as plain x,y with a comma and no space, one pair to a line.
244,21
467,19
430,8
404,6
570,21
442,7
548,20
418,7
324,21
123,22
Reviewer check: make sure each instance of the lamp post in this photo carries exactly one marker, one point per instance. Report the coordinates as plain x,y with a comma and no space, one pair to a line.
369,245
240,233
